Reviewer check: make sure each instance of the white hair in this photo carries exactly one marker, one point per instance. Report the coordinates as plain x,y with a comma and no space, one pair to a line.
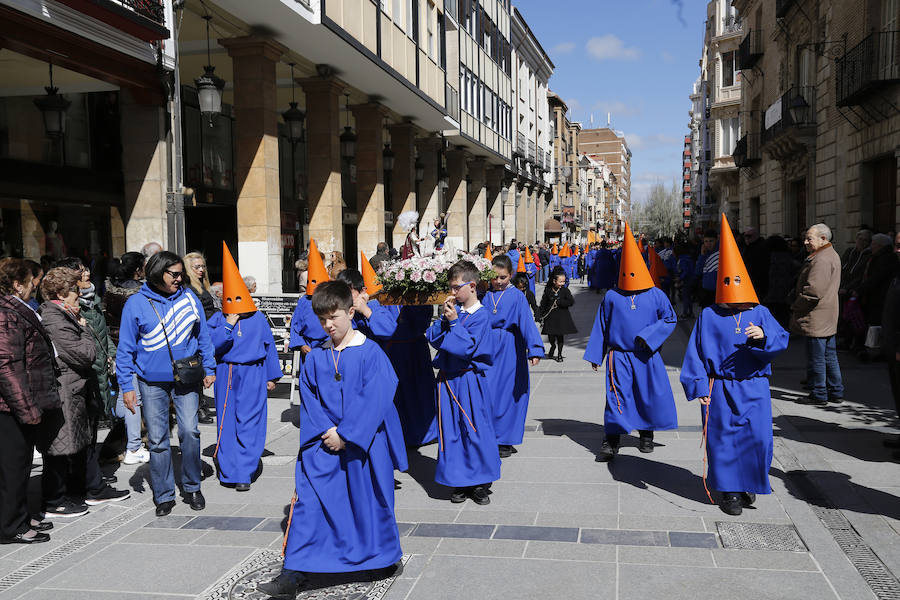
407,220
881,239
822,230
151,248
249,280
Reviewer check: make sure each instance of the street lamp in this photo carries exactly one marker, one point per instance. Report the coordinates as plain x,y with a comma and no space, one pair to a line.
53,108
348,138
209,85
798,109
294,117
388,157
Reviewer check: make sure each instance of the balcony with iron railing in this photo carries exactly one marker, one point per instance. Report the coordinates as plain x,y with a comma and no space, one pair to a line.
871,64
782,7
747,150
731,24
796,110
531,149
521,145
751,49
144,19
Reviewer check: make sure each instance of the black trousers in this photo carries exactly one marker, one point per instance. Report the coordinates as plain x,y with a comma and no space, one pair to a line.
556,341
894,374
16,453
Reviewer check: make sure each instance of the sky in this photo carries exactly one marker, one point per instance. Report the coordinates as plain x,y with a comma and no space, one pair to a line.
634,59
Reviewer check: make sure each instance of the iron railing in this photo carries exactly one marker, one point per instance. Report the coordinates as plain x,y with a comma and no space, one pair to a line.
452,101
782,7
152,9
531,150
731,25
520,143
751,49
872,63
747,150
798,110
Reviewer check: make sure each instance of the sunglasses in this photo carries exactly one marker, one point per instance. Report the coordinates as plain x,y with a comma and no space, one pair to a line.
175,274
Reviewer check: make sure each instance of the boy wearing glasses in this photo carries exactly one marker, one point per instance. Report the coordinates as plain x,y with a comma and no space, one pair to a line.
467,446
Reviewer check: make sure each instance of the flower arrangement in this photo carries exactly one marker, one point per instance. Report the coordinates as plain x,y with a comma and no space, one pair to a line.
423,280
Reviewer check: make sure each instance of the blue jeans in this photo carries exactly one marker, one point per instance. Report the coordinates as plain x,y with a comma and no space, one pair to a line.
823,373
132,421
544,273
155,398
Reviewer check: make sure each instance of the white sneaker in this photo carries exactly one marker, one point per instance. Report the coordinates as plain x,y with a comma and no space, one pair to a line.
141,455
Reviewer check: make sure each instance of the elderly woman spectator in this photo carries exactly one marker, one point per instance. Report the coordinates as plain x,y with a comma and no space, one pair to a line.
302,266
163,325
27,392
67,433
854,261
877,278
198,280
250,282
814,315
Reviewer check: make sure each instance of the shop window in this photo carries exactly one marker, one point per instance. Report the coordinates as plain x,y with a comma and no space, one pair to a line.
208,151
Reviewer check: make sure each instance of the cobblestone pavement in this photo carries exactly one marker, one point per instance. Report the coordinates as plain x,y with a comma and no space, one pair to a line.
558,523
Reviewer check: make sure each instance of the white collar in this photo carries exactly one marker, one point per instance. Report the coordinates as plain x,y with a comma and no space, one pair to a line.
471,310
358,339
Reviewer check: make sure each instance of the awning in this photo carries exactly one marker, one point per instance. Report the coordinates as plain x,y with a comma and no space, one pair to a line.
552,226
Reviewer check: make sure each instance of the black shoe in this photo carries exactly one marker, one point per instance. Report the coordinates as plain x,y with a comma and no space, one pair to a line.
386,573
241,487
107,494
195,500
42,526
505,450
66,509
892,442
607,452
811,401
458,496
835,399
731,504
164,508
286,585
559,359
645,445
108,479
748,498
38,538
203,417
479,495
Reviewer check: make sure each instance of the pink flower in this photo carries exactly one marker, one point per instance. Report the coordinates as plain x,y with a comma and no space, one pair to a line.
429,276
400,276
415,276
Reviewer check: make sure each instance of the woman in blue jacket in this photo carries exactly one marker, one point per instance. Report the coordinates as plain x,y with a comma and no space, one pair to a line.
163,323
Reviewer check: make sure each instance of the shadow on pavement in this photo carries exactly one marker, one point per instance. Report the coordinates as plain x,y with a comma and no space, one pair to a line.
422,468
830,489
587,435
291,415
644,474
865,444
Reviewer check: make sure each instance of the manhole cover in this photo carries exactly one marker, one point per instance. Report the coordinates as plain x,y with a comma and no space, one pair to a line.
759,536
265,565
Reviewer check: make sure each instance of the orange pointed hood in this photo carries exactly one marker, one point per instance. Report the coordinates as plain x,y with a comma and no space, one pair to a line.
555,249
368,273
235,295
529,259
487,254
317,273
633,273
733,285
520,268
564,251
658,269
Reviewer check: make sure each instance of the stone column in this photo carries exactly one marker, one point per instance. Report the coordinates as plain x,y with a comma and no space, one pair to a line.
521,192
323,129
144,171
256,158
369,175
508,197
457,201
428,194
528,217
403,178
495,203
477,208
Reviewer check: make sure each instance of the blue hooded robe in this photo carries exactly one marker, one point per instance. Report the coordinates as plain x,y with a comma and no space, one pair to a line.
739,431
467,444
638,394
246,358
305,327
516,339
343,519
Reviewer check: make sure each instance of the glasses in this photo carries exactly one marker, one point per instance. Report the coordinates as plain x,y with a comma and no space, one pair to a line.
199,267
175,274
456,288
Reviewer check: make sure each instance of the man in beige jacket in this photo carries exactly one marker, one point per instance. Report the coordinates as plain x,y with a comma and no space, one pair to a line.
814,314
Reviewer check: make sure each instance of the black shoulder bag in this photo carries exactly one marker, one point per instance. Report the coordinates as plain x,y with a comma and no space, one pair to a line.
187,371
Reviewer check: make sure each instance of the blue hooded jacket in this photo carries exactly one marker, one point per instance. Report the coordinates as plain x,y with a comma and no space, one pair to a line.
142,346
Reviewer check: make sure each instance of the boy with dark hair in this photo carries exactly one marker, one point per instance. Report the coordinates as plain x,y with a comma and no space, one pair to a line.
467,446
342,516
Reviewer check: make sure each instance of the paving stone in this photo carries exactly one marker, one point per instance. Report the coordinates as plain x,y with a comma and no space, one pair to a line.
456,530
764,559
420,515
175,537
248,539
545,534
472,513
554,519
650,555
54,594
661,523
689,539
569,552
224,523
170,522
492,547
623,537
271,525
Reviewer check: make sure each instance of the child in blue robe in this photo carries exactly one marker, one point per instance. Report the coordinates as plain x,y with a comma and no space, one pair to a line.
306,332
629,330
531,273
400,331
517,343
247,368
467,445
342,517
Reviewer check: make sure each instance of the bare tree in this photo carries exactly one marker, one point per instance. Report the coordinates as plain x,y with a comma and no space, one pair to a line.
660,213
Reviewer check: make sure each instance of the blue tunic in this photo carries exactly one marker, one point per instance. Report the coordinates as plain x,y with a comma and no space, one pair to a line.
531,272
467,445
514,257
638,394
400,330
516,339
246,358
343,519
305,327
739,433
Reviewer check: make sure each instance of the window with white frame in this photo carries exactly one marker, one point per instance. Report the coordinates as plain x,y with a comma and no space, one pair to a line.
729,133
430,21
731,74
397,14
